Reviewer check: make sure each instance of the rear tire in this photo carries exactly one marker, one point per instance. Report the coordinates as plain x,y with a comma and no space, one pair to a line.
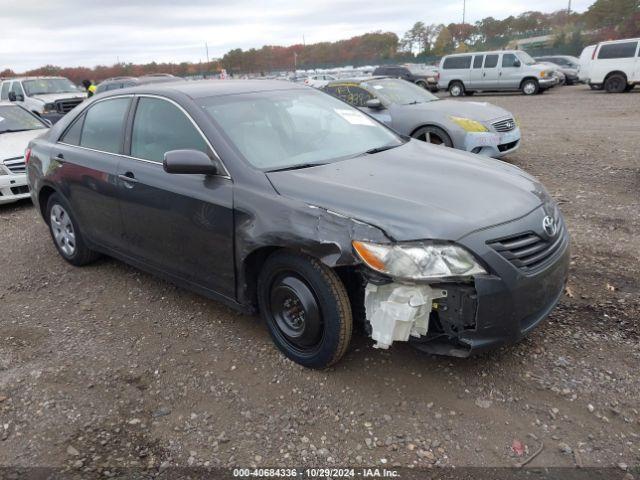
306,308
530,87
615,83
65,233
456,89
434,135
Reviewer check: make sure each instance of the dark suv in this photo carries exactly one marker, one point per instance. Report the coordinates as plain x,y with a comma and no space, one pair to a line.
420,76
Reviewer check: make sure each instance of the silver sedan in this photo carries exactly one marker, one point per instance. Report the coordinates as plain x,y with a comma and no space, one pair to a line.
477,127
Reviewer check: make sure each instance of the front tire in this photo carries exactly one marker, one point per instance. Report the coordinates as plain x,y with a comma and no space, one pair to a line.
616,83
530,87
306,308
456,89
434,135
65,233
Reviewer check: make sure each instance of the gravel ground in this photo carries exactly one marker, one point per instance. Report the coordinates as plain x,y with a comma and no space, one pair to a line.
106,367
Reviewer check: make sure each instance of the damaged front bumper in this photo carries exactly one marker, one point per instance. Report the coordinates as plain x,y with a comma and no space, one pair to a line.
465,318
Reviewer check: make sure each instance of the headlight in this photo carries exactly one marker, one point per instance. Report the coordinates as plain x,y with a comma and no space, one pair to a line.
418,261
546,73
469,125
49,107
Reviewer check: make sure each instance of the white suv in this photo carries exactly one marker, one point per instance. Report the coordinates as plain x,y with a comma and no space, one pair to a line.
48,97
615,65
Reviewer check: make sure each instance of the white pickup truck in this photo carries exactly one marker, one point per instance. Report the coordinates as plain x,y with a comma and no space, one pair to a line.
48,97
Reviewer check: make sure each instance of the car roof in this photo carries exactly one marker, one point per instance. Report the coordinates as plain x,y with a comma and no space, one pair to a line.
483,53
357,79
43,77
209,88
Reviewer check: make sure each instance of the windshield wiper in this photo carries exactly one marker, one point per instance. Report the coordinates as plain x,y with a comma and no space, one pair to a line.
14,130
296,167
415,102
382,148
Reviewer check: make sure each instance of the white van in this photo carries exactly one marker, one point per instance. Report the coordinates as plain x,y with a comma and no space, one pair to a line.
615,65
500,70
583,65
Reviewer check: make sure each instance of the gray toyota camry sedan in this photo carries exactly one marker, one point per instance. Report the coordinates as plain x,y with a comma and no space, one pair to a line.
477,127
280,199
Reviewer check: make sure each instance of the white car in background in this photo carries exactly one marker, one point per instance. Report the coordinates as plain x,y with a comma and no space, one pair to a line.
319,81
615,65
17,128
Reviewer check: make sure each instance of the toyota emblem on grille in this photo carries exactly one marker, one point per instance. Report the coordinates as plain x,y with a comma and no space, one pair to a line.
549,226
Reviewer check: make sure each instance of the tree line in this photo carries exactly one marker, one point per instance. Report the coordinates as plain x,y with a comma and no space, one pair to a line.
423,42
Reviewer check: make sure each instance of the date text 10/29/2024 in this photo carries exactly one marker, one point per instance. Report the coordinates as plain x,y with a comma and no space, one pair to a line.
315,473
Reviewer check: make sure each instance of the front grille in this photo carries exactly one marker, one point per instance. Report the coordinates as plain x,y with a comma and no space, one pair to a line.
505,125
15,165
529,251
19,190
503,147
65,106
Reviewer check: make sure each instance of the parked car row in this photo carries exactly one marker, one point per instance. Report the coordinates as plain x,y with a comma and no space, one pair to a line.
280,199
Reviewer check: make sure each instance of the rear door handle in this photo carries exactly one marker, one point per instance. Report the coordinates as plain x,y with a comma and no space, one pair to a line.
129,178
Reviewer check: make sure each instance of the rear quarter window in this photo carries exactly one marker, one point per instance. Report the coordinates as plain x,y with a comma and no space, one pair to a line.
451,63
618,50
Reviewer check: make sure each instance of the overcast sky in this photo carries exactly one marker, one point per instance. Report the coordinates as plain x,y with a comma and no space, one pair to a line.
91,32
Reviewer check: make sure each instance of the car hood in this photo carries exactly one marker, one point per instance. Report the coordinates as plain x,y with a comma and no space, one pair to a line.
52,97
13,145
417,191
480,111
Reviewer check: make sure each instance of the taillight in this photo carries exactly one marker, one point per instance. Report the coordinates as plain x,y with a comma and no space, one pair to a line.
27,156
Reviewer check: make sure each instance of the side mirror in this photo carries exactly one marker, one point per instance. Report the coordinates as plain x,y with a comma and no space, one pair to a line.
12,96
375,104
517,64
189,161
47,122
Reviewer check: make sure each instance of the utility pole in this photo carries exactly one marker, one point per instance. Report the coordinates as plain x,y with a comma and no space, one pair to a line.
206,49
569,8
464,10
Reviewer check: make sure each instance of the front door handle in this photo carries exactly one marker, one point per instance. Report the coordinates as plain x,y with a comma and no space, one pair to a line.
128,178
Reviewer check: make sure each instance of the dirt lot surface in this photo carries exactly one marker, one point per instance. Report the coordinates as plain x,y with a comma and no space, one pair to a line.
105,367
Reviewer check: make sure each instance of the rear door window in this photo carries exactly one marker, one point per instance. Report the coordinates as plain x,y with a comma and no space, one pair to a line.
451,63
104,125
73,133
159,127
477,61
491,61
618,50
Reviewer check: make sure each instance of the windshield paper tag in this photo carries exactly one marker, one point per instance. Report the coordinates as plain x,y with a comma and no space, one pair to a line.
1,119
354,117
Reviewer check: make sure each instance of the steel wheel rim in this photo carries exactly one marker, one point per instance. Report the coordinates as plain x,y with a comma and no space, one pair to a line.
295,313
455,90
529,88
63,231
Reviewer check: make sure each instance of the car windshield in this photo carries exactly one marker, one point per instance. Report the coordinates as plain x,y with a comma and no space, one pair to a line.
401,92
287,129
49,85
16,119
526,58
